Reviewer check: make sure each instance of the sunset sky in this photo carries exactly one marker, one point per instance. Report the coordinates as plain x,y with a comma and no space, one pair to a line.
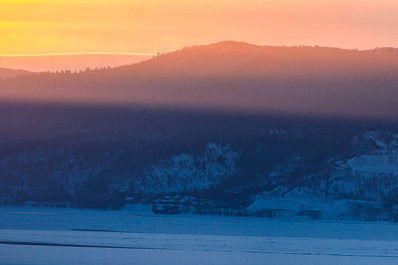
144,27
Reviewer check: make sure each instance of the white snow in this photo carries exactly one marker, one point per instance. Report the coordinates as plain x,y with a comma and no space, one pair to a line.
275,203
184,172
292,206
136,236
39,255
216,246
386,164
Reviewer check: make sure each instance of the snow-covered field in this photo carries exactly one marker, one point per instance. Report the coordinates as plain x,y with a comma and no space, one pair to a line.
136,236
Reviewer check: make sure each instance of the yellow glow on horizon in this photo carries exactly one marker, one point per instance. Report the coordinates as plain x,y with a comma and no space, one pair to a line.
151,26
68,54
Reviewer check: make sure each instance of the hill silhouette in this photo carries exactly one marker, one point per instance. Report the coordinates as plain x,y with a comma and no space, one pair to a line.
246,60
235,76
72,62
6,73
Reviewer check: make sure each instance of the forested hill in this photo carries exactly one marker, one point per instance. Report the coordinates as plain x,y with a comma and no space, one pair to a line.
312,81
138,133
241,60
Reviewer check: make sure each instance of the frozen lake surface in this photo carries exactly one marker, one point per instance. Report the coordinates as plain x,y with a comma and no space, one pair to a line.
136,236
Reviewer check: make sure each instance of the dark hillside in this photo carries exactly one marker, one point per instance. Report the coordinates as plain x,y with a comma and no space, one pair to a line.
231,76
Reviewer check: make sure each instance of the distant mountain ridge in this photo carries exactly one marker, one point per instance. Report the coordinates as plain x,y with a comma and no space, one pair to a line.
309,81
69,62
6,73
243,59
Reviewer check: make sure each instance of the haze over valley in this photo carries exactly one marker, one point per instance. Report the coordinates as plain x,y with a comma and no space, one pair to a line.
234,76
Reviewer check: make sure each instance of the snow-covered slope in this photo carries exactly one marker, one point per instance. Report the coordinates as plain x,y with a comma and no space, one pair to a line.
364,186
243,177
376,143
374,164
185,172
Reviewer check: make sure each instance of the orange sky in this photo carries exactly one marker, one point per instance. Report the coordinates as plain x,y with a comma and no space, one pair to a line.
150,26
